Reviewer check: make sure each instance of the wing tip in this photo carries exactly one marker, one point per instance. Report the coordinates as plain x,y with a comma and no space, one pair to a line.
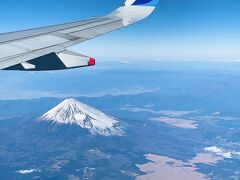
91,62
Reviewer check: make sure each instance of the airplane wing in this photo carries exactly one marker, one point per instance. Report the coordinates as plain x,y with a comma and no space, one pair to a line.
43,49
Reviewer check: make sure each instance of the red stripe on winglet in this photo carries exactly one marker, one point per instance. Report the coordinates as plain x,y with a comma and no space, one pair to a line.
91,62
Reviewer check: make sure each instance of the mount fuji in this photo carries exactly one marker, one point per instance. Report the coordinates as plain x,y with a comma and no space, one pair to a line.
71,111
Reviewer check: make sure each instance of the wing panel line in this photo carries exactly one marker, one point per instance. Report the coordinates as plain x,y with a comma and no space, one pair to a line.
53,31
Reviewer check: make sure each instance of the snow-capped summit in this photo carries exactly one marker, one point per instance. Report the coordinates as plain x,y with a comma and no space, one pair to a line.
72,111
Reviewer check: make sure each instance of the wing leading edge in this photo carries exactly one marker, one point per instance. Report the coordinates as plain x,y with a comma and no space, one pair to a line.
44,49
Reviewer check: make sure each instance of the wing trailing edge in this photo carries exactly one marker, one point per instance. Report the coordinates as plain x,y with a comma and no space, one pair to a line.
55,61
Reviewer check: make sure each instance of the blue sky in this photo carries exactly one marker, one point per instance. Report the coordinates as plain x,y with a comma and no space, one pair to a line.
179,29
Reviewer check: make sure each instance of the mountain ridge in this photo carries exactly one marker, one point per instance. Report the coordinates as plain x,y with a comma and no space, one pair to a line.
73,112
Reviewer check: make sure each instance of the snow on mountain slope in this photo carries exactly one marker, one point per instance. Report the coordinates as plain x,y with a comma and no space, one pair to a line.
72,111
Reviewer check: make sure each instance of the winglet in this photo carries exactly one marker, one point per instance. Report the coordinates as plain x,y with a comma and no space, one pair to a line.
152,3
134,10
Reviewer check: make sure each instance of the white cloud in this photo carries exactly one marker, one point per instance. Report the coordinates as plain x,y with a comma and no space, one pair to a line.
27,171
222,152
216,113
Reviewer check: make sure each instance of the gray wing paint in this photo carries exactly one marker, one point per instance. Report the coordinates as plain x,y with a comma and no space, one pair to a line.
46,48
